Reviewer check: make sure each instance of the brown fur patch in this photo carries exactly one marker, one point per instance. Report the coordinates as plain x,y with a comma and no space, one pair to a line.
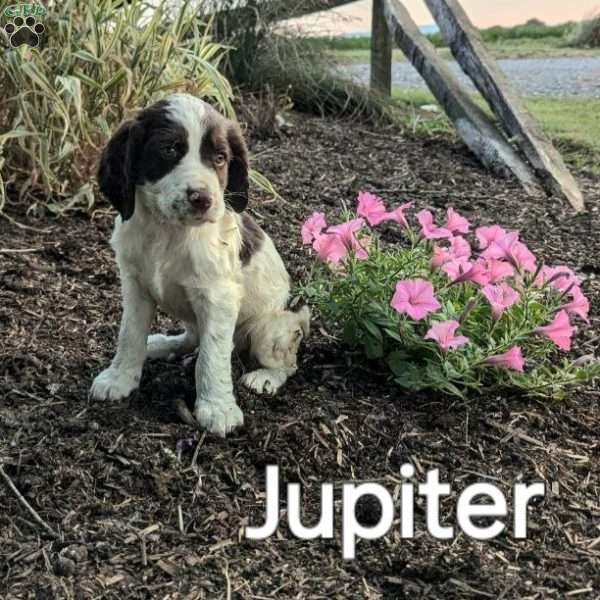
214,143
252,238
225,137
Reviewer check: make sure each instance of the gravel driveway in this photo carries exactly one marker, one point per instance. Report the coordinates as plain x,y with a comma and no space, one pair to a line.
532,76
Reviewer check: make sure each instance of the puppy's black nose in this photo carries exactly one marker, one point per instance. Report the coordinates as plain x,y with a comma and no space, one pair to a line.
201,201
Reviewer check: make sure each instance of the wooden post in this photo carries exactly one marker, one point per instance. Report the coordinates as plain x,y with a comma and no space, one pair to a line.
472,55
381,51
472,124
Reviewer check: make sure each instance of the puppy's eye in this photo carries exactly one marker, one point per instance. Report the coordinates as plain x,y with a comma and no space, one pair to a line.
220,159
171,151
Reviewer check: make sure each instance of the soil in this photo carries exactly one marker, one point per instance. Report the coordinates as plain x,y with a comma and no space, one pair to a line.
145,506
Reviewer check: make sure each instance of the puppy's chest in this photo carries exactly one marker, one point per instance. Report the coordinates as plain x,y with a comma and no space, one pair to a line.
176,281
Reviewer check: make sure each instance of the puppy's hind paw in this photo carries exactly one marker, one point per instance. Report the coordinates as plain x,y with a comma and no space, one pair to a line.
113,385
265,381
218,417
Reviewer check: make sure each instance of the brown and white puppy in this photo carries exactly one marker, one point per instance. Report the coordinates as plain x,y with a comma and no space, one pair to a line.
178,175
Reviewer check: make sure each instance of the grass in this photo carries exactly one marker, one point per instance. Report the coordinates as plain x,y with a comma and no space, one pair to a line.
534,39
572,123
518,48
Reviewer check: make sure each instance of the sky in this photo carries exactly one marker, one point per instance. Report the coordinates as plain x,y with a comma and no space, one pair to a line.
484,13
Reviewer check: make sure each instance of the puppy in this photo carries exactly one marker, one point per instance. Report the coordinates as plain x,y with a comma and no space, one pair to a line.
178,175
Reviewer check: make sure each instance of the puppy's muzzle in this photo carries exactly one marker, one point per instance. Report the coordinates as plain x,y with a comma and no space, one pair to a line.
199,200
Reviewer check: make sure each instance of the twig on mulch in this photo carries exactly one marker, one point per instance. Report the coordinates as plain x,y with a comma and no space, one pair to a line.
26,227
19,250
26,504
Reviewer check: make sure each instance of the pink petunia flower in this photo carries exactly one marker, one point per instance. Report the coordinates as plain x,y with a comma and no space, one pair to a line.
559,331
371,207
579,304
415,298
524,257
456,268
477,274
500,247
330,248
455,223
429,229
461,270
500,296
511,249
346,231
313,227
459,247
440,257
443,333
513,359
560,278
398,214
459,250
487,235
497,270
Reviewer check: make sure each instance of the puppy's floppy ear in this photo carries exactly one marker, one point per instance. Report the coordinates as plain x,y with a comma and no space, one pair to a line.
116,171
236,191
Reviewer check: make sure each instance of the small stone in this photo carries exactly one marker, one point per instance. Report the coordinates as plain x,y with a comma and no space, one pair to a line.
75,552
65,566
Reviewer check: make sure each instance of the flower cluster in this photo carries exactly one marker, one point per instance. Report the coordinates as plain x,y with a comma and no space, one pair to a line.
479,295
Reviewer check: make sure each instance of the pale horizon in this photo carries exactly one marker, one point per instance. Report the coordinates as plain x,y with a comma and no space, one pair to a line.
356,17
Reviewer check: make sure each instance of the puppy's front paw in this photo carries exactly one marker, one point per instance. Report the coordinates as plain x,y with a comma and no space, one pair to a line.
219,416
112,384
264,381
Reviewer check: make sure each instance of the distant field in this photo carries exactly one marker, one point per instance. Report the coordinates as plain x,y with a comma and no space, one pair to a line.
573,124
533,40
533,30
521,48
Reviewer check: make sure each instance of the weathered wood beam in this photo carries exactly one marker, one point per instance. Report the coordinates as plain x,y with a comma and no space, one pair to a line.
279,10
469,50
472,124
381,51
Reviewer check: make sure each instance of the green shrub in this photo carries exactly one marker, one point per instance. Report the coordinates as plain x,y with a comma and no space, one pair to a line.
440,316
533,31
96,64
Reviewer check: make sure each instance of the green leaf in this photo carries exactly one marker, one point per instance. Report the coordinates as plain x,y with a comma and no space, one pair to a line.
373,330
350,333
373,348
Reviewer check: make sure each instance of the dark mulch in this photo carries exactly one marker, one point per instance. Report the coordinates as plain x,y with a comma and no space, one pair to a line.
147,507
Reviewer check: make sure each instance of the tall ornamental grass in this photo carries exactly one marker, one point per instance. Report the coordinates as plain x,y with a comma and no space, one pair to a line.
587,33
98,60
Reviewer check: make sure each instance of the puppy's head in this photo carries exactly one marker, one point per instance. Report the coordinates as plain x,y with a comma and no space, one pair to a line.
181,159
